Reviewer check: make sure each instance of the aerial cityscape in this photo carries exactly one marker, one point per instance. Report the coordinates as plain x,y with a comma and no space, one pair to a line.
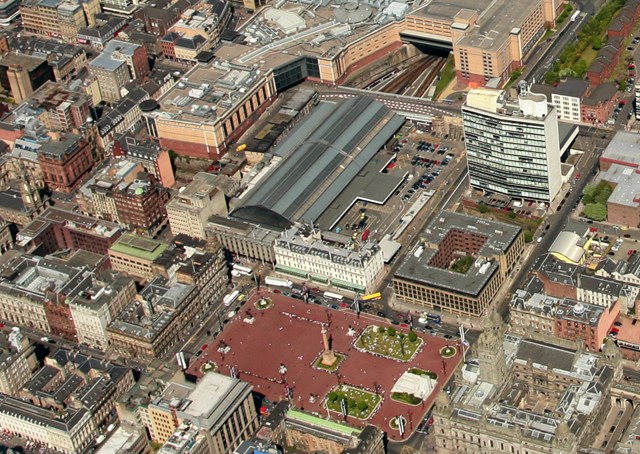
319,227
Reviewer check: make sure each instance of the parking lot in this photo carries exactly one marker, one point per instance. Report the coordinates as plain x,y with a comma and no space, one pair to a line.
426,163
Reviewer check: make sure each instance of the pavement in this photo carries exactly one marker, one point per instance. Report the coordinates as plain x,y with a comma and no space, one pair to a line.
289,333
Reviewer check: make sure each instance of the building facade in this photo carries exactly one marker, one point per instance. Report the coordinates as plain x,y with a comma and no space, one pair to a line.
95,308
459,264
329,258
547,317
59,18
65,162
189,210
512,150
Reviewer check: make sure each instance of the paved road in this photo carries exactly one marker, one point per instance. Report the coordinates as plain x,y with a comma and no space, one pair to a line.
555,222
549,51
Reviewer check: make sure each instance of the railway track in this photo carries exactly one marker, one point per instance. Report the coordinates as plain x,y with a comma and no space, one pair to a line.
433,73
397,85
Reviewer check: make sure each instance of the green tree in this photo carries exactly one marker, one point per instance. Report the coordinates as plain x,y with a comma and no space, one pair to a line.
603,195
580,68
380,329
512,215
352,403
482,208
589,194
362,406
595,211
596,43
412,336
391,331
333,396
528,236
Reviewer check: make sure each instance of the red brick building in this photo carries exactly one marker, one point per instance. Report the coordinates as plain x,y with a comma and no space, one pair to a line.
598,104
141,205
65,162
168,43
560,279
57,229
581,321
605,63
60,319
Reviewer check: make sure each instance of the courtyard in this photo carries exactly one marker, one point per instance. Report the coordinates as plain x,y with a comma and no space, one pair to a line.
276,353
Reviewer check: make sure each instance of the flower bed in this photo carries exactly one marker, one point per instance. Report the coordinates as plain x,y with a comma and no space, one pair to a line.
448,351
360,403
263,304
406,398
332,368
417,371
388,343
208,367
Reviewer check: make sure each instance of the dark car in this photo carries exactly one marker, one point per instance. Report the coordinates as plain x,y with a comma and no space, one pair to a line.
618,323
395,322
381,314
448,336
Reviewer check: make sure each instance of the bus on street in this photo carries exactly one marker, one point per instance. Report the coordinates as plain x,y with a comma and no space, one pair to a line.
276,282
372,297
230,298
333,296
242,270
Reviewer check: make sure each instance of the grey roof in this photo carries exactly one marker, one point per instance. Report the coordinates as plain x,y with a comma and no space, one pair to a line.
567,132
624,148
543,89
601,93
572,87
104,61
548,355
417,264
627,181
599,285
328,150
557,270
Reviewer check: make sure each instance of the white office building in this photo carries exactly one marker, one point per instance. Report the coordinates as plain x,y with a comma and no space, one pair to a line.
512,148
329,258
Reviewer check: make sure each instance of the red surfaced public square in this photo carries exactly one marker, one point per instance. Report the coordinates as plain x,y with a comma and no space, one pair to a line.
289,333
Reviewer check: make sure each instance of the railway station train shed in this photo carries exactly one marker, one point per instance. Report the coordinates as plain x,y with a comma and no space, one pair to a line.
330,160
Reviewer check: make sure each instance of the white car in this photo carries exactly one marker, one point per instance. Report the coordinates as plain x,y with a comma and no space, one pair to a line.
423,320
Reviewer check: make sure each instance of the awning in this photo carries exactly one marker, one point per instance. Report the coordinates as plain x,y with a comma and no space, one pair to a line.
347,285
319,278
291,271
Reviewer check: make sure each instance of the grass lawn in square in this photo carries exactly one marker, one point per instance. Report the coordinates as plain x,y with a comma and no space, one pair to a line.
388,343
360,403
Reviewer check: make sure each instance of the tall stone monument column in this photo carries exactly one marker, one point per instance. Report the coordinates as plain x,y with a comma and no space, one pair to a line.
328,358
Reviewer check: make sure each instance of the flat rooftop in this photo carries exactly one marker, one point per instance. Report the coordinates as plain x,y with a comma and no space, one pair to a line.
447,10
137,246
627,181
275,34
623,149
208,91
416,265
